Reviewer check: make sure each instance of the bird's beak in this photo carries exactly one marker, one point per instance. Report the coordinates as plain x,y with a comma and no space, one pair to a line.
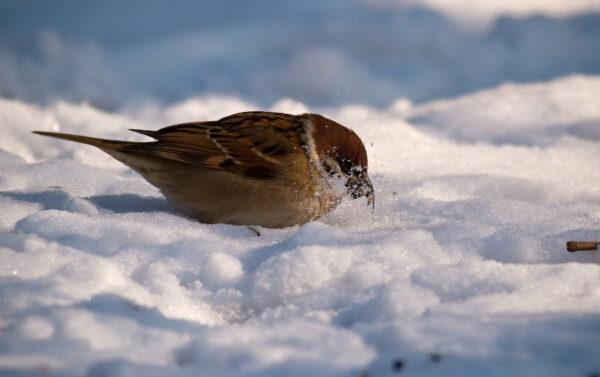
360,186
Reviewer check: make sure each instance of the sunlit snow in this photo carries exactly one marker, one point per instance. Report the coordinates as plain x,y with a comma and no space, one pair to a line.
461,270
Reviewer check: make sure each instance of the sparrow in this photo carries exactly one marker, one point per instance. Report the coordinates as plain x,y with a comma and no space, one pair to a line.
253,168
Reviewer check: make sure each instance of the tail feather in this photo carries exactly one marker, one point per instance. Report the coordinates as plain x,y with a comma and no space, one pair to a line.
104,144
150,133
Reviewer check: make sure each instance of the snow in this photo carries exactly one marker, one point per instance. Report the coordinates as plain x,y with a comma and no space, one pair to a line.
512,116
114,54
461,270
482,125
473,13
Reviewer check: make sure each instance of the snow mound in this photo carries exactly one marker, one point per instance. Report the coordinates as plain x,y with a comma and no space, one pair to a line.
513,114
462,269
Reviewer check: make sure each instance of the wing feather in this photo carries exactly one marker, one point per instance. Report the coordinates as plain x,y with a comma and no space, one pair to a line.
251,143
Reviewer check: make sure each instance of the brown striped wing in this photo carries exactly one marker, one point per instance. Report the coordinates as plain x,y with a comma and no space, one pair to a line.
252,143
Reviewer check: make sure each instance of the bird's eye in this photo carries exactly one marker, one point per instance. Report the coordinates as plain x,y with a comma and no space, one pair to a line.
331,166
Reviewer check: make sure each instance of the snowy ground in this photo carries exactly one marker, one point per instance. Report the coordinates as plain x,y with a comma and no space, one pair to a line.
461,270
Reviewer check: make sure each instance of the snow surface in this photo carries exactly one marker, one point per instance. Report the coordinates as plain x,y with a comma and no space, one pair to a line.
461,270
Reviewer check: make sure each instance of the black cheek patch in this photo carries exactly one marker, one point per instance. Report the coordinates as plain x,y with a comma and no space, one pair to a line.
260,172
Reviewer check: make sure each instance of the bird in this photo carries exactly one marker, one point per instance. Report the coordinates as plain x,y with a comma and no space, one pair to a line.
253,168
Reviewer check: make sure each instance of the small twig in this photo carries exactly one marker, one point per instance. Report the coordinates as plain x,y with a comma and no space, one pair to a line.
573,246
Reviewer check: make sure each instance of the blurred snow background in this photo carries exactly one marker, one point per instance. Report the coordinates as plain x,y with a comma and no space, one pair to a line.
373,51
482,124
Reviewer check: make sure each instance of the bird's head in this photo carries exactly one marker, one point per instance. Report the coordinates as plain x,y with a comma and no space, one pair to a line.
342,154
